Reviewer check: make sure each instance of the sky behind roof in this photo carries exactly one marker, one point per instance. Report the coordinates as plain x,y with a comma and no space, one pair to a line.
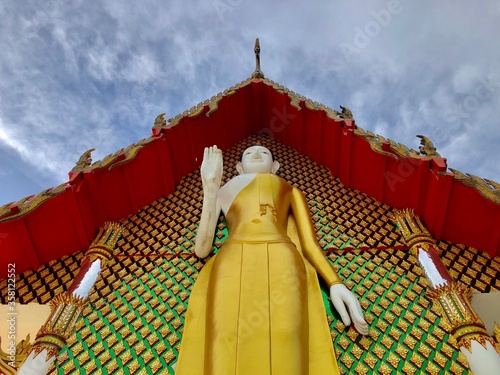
79,75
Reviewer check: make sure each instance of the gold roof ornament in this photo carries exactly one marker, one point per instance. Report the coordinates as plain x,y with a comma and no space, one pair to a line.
427,148
257,73
160,120
346,112
85,160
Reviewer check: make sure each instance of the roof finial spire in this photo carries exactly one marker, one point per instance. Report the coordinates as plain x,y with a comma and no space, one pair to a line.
258,73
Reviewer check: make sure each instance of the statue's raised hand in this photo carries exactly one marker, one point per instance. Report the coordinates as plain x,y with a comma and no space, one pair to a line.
211,170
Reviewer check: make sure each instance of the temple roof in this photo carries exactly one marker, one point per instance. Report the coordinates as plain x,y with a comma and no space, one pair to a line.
455,207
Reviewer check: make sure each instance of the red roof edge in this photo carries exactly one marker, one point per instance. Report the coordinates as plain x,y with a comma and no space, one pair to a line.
60,221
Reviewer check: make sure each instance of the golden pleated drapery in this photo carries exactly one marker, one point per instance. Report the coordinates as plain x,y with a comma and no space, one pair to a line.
256,307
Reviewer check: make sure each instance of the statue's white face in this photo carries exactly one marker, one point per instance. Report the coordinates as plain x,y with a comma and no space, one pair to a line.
257,159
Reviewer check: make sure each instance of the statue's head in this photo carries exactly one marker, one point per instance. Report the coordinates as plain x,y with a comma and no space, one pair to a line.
257,159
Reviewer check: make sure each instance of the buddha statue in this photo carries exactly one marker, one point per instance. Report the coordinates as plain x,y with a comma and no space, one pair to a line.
256,307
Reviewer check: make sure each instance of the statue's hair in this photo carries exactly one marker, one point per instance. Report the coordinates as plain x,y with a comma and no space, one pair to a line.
271,151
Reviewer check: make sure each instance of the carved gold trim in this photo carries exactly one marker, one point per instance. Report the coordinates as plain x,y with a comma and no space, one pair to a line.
346,113
212,104
120,156
84,161
452,299
52,337
160,121
104,244
394,149
488,188
459,317
22,350
375,141
468,332
296,99
413,230
427,148
14,210
97,252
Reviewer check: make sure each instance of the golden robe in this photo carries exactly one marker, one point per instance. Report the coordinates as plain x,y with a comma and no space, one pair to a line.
256,307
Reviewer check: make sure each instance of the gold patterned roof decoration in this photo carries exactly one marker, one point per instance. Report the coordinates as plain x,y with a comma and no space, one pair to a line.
427,148
120,156
346,113
488,188
394,149
212,104
296,99
85,160
14,210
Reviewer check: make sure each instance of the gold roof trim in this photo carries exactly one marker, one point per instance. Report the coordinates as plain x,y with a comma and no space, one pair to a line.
394,149
212,104
376,141
388,147
296,99
84,161
488,188
14,210
128,153
17,209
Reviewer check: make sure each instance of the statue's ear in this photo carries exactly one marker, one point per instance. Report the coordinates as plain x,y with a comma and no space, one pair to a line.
239,168
275,168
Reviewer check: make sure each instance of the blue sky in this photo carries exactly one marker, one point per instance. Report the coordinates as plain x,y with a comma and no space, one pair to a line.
79,75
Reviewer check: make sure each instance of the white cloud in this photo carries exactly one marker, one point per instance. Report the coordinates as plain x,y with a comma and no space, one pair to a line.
82,75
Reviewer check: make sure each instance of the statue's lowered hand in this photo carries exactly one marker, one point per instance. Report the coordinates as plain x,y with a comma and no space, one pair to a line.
342,297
